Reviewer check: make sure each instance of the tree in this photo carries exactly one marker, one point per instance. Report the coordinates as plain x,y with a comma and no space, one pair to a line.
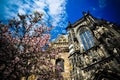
25,48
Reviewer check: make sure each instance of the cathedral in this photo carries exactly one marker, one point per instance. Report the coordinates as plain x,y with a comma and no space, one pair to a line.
90,50
94,49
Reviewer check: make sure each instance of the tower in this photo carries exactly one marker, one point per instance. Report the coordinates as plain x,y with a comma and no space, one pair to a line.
62,60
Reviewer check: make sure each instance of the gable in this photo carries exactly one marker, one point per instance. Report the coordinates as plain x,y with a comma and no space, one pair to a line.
61,39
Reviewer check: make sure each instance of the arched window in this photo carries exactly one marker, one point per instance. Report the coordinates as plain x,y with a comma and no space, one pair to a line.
60,63
86,38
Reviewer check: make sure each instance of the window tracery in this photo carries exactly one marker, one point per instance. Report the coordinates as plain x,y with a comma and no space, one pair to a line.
86,38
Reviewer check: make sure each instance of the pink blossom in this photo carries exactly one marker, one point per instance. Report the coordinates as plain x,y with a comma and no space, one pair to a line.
17,59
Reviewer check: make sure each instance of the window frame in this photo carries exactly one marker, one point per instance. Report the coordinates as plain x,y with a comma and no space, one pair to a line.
86,38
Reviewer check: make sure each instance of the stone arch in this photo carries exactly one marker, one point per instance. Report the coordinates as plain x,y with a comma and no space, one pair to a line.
82,28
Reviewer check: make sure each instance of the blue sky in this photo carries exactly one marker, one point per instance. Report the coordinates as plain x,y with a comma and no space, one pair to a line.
106,9
59,12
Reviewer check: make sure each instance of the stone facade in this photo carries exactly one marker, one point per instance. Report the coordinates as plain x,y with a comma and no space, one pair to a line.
94,49
62,43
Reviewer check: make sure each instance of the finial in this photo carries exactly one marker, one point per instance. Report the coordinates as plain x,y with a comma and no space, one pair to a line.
69,23
84,13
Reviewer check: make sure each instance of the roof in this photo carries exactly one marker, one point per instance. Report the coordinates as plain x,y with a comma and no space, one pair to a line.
79,21
60,36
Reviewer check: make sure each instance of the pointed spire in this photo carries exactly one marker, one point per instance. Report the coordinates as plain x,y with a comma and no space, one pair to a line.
69,25
86,13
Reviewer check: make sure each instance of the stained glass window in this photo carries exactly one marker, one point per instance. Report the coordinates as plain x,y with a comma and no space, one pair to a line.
87,39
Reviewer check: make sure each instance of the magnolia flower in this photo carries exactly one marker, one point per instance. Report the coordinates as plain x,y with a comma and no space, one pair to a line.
17,59
31,49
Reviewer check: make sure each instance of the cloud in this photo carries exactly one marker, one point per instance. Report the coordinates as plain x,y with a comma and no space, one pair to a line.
53,10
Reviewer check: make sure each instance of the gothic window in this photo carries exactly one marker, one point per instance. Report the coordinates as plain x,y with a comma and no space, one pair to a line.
60,63
86,39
